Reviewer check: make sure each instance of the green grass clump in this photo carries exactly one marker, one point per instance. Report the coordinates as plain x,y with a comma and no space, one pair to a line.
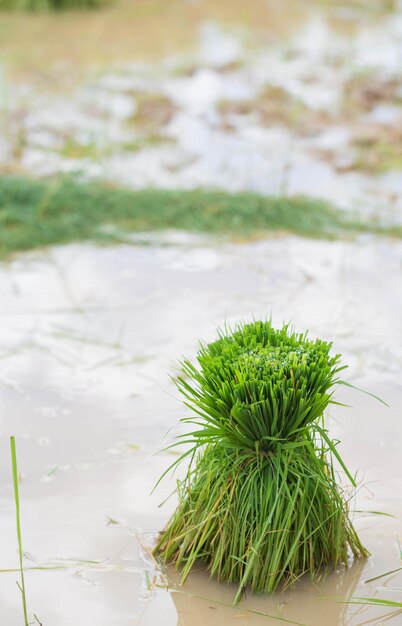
261,505
36,213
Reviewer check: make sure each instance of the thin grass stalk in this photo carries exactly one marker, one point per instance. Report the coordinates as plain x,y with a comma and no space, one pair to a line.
18,526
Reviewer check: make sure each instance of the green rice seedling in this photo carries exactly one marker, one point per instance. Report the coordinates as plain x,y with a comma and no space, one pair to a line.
18,525
261,504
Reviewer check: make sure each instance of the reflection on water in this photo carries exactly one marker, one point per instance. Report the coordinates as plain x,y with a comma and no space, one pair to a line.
201,601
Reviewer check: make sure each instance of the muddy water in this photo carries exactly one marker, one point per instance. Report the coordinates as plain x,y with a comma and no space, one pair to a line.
88,338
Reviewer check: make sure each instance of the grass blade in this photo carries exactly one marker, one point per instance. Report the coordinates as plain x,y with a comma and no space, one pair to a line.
18,525
392,571
368,393
376,602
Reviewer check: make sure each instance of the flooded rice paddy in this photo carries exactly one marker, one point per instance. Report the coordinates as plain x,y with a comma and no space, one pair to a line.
91,336
276,97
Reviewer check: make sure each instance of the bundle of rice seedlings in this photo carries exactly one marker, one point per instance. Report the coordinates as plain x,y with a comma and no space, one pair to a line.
261,504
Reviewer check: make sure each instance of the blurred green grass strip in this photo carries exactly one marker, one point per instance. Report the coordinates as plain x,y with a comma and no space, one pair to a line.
48,5
37,213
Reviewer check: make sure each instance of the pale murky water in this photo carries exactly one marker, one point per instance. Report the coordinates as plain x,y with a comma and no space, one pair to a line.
89,336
